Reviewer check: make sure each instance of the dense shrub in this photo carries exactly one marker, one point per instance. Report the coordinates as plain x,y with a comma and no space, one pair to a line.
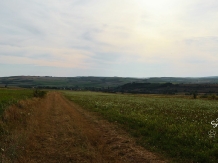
39,93
213,97
204,96
210,96
195,94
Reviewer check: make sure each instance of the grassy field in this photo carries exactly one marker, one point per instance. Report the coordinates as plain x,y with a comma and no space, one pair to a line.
174,126
11,96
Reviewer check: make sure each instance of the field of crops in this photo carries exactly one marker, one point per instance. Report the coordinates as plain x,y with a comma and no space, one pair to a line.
11,96
176,127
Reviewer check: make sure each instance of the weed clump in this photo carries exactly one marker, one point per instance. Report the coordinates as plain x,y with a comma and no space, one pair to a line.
210,96
213,97
39,93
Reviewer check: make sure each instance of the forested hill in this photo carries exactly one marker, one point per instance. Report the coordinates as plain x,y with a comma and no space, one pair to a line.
94,82
65,82
167,88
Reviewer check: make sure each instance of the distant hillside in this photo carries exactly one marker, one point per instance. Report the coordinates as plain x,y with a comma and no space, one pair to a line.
64,82
166,88
176,80
93,82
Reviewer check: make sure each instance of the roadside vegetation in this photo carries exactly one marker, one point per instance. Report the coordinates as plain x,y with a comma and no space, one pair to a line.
15,109
12,96
209,96
39,93
175,126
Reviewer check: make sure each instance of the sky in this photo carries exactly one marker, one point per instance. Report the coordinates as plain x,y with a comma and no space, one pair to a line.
125,38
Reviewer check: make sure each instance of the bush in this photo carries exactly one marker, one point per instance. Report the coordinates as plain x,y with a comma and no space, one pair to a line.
213,97
210,96
204,96
39,93
195,95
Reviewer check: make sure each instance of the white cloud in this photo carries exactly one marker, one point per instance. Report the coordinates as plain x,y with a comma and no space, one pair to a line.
74,33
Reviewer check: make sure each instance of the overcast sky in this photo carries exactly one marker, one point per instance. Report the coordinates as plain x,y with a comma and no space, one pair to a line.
127,38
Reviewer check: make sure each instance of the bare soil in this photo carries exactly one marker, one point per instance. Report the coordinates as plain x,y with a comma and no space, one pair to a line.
55,130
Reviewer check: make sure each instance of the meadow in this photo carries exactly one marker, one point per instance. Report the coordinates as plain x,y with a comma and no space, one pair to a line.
12,96
177,127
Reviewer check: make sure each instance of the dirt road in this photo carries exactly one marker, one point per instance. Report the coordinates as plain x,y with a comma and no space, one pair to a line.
58,131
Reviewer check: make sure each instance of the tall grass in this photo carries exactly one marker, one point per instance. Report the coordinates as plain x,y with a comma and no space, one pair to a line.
11,139
11,96
176,127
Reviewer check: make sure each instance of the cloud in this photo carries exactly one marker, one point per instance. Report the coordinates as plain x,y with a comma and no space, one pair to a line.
54,57
108,35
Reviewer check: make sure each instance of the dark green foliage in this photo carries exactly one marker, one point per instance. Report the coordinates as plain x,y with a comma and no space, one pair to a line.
210,96
39,93
195,94
204,96
213,97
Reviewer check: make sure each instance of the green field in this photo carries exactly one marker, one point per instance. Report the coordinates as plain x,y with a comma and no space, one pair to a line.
176,127
11,96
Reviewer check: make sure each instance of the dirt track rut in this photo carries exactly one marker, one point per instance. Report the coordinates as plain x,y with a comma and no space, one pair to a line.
62,132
